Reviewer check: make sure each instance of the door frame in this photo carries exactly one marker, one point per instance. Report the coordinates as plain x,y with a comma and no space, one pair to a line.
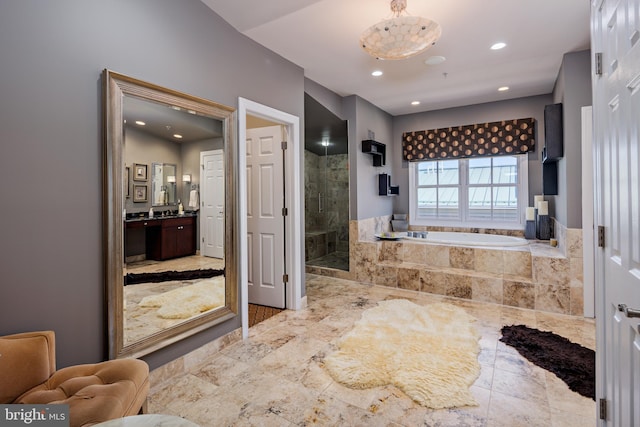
293,222
588,190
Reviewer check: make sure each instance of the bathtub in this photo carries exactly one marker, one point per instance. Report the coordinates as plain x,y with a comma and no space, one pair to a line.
469,239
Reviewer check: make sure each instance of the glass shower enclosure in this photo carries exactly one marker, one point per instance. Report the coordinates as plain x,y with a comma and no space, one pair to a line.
326,158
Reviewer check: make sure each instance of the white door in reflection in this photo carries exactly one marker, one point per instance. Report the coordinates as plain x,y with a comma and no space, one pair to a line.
212,193
265,222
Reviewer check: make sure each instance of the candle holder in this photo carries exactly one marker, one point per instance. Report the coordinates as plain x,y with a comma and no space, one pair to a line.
544,227
530,224
530,229
543,222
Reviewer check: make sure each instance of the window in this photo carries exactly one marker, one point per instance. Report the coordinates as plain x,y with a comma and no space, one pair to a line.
475,192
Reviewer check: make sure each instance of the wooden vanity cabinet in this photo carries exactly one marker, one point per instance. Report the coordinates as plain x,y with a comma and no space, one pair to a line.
135,232
176,237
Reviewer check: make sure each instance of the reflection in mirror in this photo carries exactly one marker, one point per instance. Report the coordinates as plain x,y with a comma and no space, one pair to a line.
163,184
161,285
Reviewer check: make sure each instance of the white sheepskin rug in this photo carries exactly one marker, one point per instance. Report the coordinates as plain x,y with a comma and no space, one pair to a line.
188,301
429,352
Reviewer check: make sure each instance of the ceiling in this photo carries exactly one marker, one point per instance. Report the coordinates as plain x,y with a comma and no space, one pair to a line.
321,36
164,121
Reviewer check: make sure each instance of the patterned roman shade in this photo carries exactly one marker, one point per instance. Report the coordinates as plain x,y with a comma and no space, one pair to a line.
484,139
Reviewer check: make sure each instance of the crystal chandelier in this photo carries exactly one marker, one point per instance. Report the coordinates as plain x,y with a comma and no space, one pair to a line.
400,37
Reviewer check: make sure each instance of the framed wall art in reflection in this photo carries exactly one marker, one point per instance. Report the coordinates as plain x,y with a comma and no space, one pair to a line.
139,193
127,181
139,172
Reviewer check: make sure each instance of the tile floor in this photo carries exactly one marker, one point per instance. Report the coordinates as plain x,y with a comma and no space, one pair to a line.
276,378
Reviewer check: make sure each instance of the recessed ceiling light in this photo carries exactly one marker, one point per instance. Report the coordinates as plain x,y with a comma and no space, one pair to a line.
498,46
503,88
415,102
140,123
377,73
435,60
177,136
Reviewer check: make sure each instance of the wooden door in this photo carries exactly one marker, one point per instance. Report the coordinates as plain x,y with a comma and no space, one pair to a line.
213,197
265,221
616,108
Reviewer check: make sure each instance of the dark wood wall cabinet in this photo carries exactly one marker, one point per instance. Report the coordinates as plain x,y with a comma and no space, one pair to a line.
553,149
384,186
377,149
167,238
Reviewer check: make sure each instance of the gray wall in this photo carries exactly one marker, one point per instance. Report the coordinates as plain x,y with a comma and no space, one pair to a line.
141,147
364,117
573,90
51,58
480,113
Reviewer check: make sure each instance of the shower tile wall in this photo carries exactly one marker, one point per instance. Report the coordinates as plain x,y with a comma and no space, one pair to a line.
326,231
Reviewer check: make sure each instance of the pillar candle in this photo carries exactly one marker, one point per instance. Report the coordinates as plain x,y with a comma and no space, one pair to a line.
543,208
531,214
537,199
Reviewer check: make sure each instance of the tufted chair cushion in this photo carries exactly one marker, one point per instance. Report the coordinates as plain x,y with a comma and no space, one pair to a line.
94,392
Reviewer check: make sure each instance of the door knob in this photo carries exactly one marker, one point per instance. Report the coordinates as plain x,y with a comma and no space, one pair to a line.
629,312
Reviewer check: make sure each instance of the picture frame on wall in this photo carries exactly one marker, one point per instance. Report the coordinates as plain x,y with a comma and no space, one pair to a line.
127,180
139,193
139,172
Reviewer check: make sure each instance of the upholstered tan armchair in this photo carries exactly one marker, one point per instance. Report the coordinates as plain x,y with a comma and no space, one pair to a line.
94,392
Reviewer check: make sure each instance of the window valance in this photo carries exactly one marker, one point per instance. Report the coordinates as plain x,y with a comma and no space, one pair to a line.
506,137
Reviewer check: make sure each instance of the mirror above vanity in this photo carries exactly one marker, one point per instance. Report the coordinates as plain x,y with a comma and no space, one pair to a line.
163,281
163,184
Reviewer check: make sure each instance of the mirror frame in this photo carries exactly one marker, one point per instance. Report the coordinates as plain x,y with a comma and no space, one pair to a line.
115,87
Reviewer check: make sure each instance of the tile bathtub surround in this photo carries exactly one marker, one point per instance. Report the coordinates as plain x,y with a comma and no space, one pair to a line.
371,264
276,377
537,276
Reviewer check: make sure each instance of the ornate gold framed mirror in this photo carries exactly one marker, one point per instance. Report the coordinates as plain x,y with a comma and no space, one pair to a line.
171,265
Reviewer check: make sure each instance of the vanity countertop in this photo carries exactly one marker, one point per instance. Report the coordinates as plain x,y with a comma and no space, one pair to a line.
145,217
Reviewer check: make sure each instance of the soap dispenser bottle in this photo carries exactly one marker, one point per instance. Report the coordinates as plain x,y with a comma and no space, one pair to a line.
180,208
150,212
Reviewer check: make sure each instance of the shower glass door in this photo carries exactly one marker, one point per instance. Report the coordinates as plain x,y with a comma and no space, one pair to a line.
326,188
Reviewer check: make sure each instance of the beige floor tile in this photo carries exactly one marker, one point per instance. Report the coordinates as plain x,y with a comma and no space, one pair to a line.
508,411
276,377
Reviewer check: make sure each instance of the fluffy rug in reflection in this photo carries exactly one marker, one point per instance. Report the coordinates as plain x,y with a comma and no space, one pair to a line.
429,352
188,301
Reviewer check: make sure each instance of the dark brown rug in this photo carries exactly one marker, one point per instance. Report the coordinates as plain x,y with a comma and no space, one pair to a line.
165,276
571,362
